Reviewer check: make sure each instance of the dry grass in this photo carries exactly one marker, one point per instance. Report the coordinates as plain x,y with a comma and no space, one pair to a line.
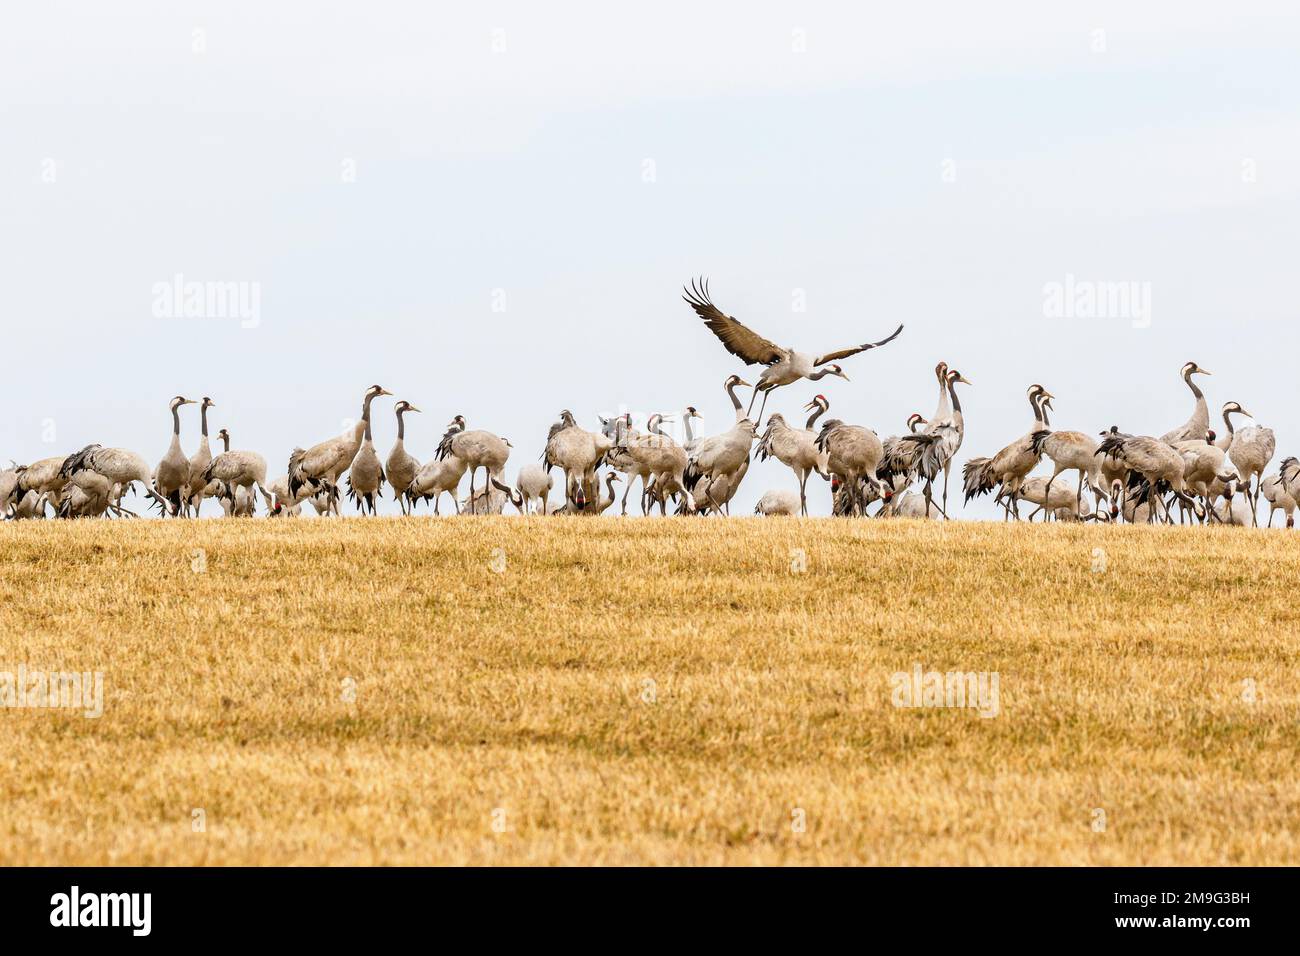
522,692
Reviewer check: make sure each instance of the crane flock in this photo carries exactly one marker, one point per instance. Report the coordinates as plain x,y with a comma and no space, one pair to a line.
1209,478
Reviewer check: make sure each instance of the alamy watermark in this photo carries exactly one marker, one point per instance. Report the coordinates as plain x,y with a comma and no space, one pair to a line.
976,690
70,690
189,299
1086,299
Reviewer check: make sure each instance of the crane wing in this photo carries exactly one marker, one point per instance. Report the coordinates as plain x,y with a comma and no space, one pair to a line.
845,353
738,339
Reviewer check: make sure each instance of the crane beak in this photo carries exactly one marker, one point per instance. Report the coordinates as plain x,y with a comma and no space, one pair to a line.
843,376
964,380
1203,371
411,408
741,381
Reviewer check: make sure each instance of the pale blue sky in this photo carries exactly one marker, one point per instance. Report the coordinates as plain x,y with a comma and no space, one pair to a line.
1171,157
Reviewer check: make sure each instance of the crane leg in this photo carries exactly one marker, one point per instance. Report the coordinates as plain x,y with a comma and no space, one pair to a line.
762,407
803,494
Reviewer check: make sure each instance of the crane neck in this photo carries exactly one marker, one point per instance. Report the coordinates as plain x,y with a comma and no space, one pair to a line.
820,374
812,419
365,408
952,397
1040,411
1228,421
176,420
401,425
1193,386
203,420
225,441
735,402
686,424
945,406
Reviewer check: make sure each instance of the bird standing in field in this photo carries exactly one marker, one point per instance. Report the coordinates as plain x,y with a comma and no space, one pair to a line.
1010,466
89,495
722,487
199,461
534,484
937,445
1207,472
715,457
44,480
172,475
476,448
1196,426
853,454
1068,451
796,448
1278,495
402,466
233,470
1154,467
784,366
654,455
366,476
1250,449
436,477
941,450
122,469
322,465
578,452
717,463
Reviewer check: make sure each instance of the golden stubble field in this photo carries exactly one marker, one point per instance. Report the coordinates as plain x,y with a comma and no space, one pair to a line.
631,691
